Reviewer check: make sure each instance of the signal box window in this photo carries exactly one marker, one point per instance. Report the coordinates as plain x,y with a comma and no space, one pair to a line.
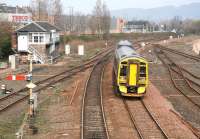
36,39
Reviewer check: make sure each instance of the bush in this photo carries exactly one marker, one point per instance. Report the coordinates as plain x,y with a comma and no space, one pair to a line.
65,39
5,48
88,38
5,40
85,38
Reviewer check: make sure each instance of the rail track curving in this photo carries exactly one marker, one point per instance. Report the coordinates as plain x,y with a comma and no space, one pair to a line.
93,122
181,82
196,58
21,95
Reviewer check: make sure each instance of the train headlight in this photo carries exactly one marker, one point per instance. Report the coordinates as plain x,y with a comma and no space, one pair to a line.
142,79
122,78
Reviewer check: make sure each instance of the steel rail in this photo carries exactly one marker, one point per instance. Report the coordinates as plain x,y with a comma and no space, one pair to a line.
152,117
175,85
103,110
61,73
139,131
5,107
180,69
170,70
105,132
178,52
132,119
189,80
54,80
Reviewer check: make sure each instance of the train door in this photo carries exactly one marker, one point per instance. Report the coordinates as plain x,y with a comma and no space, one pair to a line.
133,72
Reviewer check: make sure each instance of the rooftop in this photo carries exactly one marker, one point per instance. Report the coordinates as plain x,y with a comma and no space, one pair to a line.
38,27
10,9
140,22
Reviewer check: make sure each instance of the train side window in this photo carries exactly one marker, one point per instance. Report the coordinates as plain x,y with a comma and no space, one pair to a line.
123,71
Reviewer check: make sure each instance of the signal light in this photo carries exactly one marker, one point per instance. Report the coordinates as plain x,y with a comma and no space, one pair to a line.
29,77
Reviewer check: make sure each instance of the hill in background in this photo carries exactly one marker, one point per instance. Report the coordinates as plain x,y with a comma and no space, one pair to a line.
191,11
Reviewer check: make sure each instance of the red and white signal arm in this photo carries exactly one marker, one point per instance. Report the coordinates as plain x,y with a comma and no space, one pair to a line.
16,77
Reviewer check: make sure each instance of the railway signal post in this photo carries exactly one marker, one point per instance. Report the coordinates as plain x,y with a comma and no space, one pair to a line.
32,97
31,85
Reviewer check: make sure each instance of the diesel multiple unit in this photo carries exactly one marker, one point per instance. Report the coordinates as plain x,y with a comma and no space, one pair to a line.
130,71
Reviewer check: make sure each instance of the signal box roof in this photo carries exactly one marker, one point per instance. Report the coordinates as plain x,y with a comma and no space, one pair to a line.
38,27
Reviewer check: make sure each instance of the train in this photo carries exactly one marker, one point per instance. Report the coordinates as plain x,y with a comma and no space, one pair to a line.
130,71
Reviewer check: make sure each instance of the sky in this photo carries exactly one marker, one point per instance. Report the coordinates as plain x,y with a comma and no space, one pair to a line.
86,6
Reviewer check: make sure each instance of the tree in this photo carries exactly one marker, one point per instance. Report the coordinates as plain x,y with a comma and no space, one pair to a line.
48,10
100,21
57,13
176,23
98,12
92,24
188,26
39,10
196,25
106,20
79,23
5,39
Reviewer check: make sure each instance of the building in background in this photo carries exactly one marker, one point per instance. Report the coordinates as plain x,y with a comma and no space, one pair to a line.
17,15
138,27
117,25
39,38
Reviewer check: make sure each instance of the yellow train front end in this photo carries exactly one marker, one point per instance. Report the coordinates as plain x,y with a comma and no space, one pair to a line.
132,78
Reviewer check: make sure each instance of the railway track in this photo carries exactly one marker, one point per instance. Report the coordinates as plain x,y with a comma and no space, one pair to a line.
183,70
191,78
143,121
93,122
21,95
14,98
20,71
181,82
24,70
196,58
148,40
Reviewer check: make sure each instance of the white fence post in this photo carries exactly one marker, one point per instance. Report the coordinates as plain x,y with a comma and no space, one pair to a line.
67,49
80,50
12,61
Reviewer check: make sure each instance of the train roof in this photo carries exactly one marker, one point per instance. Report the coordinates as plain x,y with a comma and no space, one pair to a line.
125,51
124,42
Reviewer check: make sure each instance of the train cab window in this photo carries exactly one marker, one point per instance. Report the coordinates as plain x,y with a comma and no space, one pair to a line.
142,64
123,71
124,63
142,71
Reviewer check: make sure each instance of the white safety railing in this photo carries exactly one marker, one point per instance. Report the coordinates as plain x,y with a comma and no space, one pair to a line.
36,55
